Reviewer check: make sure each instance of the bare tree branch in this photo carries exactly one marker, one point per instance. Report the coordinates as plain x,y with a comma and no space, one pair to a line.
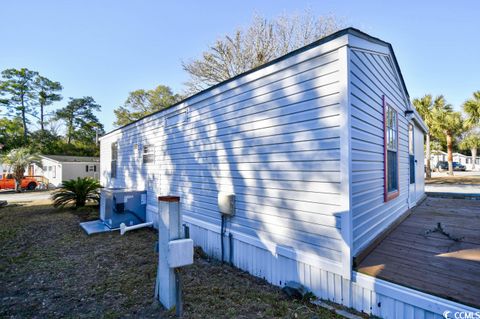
263,41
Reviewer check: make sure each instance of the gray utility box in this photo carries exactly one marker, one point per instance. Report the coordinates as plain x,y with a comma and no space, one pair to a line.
226,204
120,205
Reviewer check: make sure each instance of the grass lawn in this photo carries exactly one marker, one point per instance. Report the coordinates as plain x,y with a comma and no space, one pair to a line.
456,179
51,268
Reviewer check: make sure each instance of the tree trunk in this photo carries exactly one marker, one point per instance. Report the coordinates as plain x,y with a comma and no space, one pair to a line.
24,121
474,157
70,132
18,185
18,174
450,153
69,138
42,127
429,170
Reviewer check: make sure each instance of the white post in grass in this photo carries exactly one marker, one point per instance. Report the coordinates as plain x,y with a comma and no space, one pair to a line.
169,228
173,252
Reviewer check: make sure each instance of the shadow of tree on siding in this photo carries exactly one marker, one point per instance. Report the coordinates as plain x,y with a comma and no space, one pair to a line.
273,142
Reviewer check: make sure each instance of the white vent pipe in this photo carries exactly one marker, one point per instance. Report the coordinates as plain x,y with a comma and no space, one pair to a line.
124,228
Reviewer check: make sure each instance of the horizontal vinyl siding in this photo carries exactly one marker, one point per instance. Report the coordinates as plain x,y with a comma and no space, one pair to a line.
274,141
372,76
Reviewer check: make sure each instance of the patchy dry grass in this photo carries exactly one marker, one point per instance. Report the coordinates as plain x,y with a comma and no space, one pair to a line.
51,268
466,180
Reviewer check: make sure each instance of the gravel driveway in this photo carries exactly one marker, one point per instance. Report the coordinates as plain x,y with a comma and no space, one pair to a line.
26,196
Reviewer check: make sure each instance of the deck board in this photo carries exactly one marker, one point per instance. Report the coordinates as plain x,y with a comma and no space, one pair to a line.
432,262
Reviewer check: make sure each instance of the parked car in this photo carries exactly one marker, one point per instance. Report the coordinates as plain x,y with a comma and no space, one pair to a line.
443,166
8,182
459,167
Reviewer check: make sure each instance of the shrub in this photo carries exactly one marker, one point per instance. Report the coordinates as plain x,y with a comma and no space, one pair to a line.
78,192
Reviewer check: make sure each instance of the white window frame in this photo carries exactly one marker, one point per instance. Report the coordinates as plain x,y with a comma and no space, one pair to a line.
391,144
148,154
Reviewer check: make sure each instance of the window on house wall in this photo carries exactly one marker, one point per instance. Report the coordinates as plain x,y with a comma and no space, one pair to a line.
391,186
54,171
148,154
90,168
411,153
113,163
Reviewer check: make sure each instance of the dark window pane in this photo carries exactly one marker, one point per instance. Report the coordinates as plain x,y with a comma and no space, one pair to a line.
412,169
392,177
391,128
113,164
114,151
113,169
148,158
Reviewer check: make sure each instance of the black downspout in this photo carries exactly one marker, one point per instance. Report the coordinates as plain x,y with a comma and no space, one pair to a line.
222,234
230,249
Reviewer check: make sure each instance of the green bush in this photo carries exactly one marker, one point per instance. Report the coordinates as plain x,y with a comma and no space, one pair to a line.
77,192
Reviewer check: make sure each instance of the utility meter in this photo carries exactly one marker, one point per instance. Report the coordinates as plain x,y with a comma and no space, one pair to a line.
226,203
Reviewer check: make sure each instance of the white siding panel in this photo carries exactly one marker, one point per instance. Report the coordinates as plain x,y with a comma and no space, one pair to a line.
373,76
274,141
265,259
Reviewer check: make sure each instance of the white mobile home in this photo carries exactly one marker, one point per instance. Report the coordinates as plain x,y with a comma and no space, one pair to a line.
437,156
470,165
321,147
466,160
460,158
59,168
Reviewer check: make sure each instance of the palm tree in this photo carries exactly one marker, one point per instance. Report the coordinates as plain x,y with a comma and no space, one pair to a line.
436,145
472,108
77,191
471,142
424,106
18,160
450,123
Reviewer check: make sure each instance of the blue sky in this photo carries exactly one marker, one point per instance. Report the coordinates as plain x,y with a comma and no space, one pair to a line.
106,49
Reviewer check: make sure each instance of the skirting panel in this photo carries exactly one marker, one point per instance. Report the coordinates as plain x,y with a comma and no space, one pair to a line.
363,293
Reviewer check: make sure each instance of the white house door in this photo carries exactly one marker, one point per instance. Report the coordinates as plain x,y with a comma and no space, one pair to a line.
419,163
416,159
412,193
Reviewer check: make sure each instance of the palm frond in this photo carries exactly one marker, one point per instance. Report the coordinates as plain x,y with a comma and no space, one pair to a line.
77,192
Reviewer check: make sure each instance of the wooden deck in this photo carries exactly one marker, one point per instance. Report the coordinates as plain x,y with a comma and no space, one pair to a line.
413,256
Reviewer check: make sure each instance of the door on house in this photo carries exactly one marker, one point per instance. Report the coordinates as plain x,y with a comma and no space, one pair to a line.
416,159
412,193
419,162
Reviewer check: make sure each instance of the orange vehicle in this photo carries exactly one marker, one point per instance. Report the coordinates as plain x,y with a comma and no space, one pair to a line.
8,182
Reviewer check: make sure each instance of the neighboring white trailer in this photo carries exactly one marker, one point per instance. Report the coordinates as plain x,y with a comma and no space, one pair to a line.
59,168
321,148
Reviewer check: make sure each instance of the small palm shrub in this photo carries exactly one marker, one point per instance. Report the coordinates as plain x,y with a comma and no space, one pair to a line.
77,192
